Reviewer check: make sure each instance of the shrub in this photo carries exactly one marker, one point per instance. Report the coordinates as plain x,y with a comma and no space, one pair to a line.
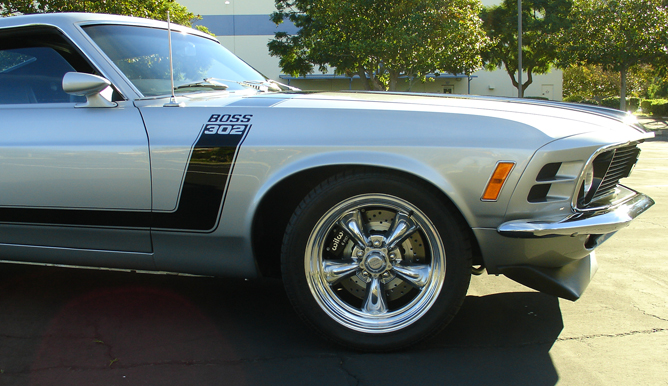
632,104
656,107
590,102
646,106
574,98
660,108
612,102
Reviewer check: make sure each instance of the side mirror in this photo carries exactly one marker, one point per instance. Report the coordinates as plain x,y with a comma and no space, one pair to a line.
89,86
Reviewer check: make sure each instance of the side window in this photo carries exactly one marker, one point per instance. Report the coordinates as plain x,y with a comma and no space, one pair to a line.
33,62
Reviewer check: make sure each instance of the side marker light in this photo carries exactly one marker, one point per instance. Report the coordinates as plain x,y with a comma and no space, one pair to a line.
497,180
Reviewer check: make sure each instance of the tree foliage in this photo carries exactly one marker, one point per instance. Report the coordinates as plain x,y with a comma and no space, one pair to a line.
542,21
593,82
151,9
589,82
617,35
379,40
658,88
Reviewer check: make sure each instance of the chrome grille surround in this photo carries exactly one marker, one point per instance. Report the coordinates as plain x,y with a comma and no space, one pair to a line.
610,164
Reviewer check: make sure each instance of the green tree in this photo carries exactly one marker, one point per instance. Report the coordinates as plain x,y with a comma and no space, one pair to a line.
542,20
590,82
618,35
593,82
379,40
658,88
151,9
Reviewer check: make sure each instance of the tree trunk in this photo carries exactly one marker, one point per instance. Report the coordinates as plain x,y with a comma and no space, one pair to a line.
394,79
365,81
528,82
376,85
622,99
516,84
513,80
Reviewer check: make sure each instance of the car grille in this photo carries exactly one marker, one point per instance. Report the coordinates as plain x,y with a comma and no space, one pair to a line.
609,167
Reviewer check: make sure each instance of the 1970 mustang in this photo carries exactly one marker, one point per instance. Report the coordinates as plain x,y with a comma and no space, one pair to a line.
373,208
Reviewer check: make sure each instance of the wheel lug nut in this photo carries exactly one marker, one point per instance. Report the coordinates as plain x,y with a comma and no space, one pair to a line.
360,253
386,275
365,274
376,243
392,255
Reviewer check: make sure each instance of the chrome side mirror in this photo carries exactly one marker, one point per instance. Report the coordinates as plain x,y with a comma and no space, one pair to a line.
89,86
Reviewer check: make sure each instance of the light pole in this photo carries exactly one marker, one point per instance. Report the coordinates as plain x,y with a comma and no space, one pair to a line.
519,49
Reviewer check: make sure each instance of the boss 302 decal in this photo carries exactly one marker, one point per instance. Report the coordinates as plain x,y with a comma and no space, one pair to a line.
209,170
202,193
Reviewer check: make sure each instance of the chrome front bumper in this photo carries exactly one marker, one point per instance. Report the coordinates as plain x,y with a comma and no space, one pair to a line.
600,222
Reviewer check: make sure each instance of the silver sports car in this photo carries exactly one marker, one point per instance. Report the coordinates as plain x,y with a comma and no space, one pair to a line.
125,146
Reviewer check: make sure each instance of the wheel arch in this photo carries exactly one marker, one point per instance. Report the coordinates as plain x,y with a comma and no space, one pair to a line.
280,200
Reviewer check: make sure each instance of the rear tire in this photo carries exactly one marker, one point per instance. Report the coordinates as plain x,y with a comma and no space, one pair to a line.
375,261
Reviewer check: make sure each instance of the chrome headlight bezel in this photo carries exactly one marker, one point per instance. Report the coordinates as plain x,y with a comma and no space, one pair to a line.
588,178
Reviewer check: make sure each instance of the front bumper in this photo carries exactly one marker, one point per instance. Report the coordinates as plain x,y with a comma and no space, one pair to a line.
600,222
556,257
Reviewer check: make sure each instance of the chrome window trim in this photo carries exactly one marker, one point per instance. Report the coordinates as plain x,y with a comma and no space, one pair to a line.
146,24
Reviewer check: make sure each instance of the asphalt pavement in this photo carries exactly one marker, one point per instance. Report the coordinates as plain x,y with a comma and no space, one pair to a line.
62,326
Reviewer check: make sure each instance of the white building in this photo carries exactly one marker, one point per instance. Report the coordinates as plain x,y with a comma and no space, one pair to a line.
243,26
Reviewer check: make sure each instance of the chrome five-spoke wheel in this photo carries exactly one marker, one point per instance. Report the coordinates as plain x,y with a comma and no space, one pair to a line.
376,261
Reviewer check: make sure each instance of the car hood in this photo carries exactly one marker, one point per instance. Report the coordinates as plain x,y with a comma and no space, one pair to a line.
555,119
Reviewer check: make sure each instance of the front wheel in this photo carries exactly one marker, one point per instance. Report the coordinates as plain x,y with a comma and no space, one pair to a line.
375,261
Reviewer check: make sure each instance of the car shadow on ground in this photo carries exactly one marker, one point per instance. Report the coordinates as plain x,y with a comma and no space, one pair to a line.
61,326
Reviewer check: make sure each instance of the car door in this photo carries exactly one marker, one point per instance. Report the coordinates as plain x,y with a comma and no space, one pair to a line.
70,177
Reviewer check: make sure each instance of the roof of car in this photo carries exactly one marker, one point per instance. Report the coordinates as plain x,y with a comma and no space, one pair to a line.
70,18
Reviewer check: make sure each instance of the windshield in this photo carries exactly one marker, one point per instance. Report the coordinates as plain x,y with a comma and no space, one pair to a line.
142,54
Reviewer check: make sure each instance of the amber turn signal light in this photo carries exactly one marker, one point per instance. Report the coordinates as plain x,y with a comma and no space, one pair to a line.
497,180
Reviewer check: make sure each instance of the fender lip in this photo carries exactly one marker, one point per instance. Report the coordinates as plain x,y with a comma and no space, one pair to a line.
600,222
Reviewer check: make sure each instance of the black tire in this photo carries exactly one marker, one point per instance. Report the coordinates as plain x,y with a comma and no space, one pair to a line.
357,269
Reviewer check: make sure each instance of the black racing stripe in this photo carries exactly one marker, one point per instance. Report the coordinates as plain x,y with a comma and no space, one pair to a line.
209,169
203,189
73,217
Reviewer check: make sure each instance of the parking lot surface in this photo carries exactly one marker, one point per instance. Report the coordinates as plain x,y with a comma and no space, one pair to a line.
62,326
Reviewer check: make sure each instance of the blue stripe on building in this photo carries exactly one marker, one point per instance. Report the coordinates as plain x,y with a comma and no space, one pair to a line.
248,25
